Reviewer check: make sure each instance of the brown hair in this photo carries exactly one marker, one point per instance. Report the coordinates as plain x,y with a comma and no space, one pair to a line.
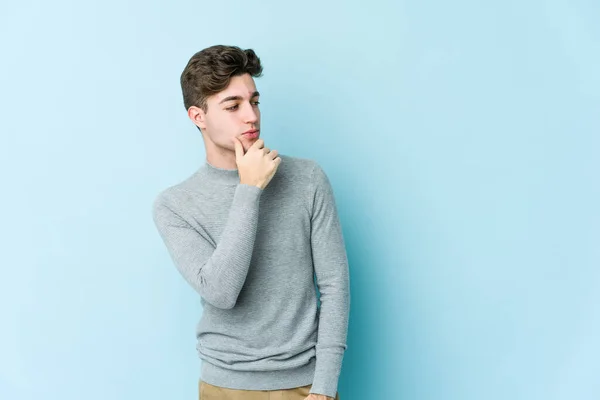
209,71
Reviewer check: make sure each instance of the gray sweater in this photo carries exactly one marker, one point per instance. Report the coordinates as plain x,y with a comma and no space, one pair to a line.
252,255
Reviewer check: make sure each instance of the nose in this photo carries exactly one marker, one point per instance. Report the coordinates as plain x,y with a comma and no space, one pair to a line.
251,114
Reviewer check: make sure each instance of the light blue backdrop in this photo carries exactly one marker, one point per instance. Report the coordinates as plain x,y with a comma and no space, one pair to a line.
461,139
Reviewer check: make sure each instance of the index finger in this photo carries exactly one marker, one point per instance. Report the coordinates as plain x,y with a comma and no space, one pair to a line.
258,144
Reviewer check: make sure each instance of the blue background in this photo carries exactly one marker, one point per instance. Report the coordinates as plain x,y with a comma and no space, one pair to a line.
461,139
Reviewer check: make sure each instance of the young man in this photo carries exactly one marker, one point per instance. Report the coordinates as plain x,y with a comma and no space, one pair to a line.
249,231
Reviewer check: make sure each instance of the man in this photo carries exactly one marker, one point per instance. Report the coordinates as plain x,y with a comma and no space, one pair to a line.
249,231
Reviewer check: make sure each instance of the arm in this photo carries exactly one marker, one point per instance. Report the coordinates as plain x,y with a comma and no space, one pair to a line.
216,271
331,268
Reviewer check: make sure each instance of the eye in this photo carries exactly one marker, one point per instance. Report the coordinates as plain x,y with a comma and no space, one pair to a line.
232,108
256,102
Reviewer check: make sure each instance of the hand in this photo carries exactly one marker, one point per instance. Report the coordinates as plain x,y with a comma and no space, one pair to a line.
258,165
313,396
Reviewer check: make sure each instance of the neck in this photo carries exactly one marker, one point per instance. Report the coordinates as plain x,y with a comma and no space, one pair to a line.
223,161
219,157
226,176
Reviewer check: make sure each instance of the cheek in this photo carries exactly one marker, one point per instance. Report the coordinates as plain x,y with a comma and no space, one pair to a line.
219,123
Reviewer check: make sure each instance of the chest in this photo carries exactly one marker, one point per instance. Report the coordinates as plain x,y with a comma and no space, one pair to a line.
284,219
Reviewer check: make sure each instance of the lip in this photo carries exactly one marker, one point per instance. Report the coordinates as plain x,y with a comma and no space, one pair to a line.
251,134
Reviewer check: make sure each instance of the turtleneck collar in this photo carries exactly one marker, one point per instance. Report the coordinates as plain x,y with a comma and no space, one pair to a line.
219,175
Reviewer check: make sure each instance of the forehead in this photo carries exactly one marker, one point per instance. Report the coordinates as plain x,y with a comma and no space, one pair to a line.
241,85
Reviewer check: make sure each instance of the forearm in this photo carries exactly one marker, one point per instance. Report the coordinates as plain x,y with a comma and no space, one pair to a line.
332,332
216,271
224,274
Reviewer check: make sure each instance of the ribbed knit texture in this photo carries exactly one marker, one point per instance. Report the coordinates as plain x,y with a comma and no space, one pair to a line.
251,255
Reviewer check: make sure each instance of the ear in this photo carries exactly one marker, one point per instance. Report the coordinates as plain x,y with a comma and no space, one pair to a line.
198,117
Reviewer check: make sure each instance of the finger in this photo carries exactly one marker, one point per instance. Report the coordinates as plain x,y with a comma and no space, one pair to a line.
273,154
239,149
258,144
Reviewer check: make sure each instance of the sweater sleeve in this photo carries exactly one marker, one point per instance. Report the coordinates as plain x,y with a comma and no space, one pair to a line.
331,268
218,272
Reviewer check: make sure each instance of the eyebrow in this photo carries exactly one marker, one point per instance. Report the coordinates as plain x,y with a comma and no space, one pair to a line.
229,98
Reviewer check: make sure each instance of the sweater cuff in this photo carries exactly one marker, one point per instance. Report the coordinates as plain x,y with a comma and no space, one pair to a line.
327,373
248,191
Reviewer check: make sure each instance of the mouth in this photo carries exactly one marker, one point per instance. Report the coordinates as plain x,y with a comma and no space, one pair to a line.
251,134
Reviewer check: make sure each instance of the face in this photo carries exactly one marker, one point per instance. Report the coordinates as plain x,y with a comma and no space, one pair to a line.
230,113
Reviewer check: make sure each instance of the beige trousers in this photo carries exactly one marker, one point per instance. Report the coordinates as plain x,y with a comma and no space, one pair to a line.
210,392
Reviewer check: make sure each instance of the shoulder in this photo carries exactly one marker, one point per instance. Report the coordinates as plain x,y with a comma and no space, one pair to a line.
299,168
306,175
175,194
297,163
